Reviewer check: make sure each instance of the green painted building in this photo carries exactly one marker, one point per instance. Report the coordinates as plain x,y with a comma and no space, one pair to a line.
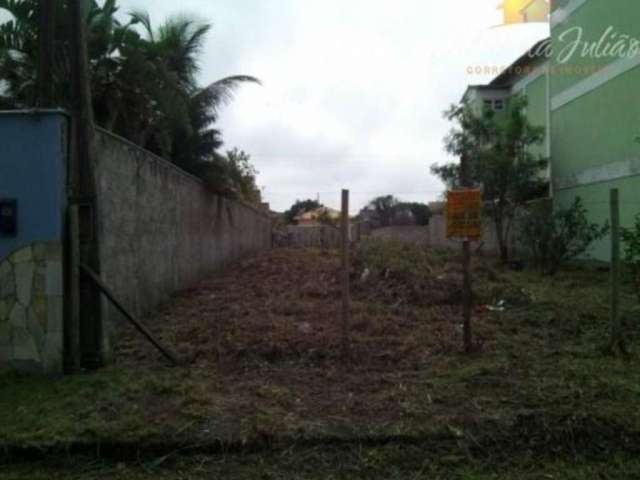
595,107
582,86
528,76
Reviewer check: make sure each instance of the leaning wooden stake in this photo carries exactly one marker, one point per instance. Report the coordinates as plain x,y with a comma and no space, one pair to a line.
617,340
141,328
346,300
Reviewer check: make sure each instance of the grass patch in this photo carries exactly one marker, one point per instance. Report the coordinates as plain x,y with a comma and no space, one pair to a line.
385,462
265,336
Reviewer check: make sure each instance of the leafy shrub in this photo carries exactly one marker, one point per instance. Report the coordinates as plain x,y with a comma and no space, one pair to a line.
554,238
405,273
631,239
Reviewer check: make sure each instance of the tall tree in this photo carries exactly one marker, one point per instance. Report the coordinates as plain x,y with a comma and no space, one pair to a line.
143,79
503,164
183,129
46,38
383,209
421,212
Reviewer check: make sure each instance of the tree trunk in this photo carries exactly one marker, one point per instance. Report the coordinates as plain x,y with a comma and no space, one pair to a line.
498,220
46,38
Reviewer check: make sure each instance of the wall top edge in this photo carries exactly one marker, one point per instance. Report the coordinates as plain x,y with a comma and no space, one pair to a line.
35,112
166,163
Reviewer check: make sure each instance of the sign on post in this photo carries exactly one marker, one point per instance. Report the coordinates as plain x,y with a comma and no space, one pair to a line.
464,214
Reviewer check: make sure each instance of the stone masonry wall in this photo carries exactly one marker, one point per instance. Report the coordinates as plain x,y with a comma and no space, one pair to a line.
31,309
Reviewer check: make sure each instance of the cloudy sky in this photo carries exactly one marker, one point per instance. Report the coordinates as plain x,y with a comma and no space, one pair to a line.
353,91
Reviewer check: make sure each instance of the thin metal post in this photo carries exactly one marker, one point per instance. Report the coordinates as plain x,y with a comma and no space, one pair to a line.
346,300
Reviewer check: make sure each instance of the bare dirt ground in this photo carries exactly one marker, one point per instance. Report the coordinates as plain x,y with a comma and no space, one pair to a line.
269,331
266,334
264,338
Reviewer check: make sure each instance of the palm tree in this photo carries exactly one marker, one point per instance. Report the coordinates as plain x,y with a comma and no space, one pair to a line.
174,49
19,48
143,80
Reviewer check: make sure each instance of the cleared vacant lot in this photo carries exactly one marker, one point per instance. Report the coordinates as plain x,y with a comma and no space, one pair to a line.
266,376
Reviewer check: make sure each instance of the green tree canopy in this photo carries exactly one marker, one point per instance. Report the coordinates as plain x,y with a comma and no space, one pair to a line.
381,210
300,206
143,78
387,210
420,211
503,165
235,177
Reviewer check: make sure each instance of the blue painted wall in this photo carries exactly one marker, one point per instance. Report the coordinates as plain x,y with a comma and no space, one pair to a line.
33,153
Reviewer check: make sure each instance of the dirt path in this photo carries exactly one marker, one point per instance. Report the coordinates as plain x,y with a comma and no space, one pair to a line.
267,332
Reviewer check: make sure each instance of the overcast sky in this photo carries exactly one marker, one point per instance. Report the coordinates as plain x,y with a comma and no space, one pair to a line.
353,91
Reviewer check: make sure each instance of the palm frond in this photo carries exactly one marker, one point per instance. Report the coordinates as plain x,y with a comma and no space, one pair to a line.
221,92
143,18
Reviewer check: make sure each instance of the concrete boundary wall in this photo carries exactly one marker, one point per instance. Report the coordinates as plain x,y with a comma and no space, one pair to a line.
487,246
160,230
403,233
316,236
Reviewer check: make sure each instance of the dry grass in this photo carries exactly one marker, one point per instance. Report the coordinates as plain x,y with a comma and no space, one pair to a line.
265,336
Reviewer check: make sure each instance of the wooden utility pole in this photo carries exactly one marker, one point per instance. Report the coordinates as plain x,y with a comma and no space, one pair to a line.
346,300
46,42
617,340
467,292
84,298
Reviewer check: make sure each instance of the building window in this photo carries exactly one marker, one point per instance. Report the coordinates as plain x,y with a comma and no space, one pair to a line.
497,105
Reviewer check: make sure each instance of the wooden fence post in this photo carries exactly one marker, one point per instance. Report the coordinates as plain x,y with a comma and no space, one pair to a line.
467,292
346,301
617,340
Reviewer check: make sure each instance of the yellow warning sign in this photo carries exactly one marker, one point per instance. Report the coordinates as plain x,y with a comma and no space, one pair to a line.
464,214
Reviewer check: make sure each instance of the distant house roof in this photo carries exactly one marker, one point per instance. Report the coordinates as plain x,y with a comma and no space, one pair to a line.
525,11
531,56
484,88
536,11
317,214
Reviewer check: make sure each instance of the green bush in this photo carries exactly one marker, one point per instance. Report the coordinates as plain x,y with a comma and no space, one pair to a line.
631,239
554,238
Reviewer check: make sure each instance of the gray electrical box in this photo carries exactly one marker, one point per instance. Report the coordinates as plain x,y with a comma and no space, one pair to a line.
8,217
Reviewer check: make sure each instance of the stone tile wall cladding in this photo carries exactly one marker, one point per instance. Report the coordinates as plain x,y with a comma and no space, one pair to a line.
31,309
